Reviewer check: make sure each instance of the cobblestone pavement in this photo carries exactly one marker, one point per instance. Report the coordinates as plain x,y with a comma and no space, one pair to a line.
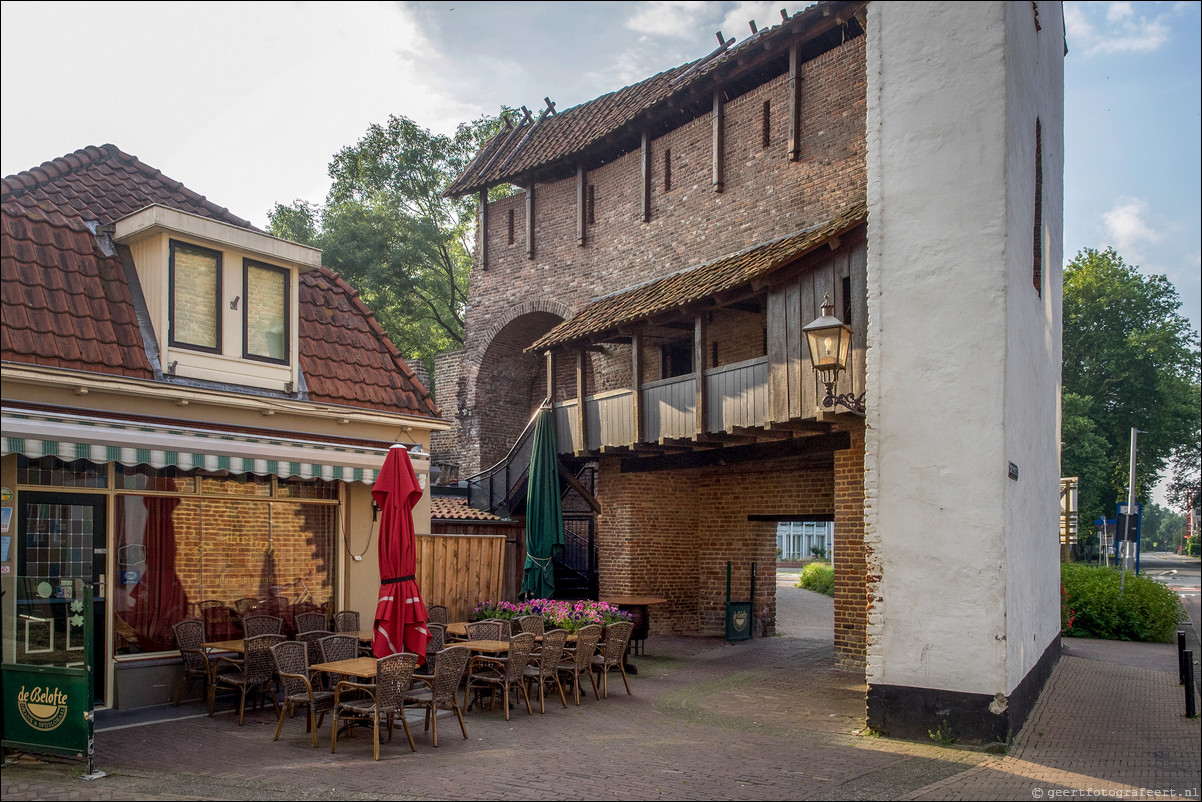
770,718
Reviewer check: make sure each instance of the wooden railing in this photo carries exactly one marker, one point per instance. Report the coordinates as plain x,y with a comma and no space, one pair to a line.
670,408
738,394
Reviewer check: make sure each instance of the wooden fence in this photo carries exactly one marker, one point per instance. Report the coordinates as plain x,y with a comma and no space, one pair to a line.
460,571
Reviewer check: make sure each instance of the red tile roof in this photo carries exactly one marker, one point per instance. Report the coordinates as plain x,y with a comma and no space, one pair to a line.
455,508
514,153
698,283
67,305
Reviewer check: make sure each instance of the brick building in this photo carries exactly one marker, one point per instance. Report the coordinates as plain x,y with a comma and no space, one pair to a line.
654,272
193,414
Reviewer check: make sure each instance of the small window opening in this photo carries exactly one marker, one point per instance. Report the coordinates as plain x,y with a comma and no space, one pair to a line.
592,205
667,169
511,234
766,133
714,355
847,300
676,359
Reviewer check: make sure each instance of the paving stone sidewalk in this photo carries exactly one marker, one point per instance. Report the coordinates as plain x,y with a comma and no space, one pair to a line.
767,719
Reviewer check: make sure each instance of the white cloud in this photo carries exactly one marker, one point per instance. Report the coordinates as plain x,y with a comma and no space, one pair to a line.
1126,228
1117,30
765,15
669,18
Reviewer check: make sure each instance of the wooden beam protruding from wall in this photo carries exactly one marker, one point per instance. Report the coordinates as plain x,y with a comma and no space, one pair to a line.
719,139
551,376
795,103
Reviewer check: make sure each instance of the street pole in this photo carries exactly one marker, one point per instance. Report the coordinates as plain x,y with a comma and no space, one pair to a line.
1130,508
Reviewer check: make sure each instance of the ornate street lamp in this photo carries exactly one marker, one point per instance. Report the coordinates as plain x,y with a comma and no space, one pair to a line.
829,339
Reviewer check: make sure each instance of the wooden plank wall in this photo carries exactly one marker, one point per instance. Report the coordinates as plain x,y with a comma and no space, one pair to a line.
460,570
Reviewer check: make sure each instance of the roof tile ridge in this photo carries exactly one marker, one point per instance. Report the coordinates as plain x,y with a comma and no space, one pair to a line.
46,172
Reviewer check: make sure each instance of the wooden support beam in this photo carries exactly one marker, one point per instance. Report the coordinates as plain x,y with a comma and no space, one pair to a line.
760,434
574,483
581,200
719,121
581,418
530,219
484,229
551,376
819,448
646,162
699,349
794,140
802,426
636,382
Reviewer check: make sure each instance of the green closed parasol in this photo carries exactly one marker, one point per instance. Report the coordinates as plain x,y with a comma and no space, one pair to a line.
544,515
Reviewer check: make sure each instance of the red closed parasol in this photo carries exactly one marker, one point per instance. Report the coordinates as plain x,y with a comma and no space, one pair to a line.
400,613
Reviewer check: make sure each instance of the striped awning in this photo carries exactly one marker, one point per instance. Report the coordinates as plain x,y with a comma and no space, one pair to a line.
71,437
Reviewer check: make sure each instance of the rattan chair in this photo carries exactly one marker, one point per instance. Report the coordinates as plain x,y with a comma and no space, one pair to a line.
578,660
190,638
499,673
312,639
292,667
436,614
255,671
255,625
612,655
441,689
346,621
533,624
337,647
489,629
310,622
544,666
435,644
383,699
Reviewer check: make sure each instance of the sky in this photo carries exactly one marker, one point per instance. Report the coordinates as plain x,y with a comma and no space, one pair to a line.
247,103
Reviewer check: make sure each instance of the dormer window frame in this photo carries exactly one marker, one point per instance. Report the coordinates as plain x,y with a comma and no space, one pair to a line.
217,255
247,265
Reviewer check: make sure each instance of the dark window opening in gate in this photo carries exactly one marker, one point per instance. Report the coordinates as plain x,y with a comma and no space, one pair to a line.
676,359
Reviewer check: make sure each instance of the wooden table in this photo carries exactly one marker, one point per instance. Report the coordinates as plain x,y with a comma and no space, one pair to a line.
362,667
637,607
361,634
226,645
457,628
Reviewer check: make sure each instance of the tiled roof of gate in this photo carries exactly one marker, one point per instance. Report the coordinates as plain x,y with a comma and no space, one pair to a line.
550,138
67,305
455,508
699,282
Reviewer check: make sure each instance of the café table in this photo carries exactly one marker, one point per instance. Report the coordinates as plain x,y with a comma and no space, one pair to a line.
225,645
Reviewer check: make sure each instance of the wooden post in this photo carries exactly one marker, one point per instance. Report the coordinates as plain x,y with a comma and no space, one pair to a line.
581,201
484,229
636,382
794,103
699,371
582,419
551,376
530,218
719,139
646,160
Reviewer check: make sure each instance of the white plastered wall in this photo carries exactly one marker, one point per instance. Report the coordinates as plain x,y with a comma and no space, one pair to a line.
954,391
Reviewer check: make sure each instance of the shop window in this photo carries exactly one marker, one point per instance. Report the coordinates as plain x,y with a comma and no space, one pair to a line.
265,329
195,275
307,489
144,477
50,471
242,484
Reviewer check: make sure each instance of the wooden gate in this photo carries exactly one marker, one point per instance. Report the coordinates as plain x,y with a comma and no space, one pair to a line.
459,571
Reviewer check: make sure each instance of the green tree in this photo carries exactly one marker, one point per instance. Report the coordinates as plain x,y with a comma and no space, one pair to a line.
1130,360
387,228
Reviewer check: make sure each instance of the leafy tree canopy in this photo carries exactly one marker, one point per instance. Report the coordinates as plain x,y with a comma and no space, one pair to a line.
1130,360
387,228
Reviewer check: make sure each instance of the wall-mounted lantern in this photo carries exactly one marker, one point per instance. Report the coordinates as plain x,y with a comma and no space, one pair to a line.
829,339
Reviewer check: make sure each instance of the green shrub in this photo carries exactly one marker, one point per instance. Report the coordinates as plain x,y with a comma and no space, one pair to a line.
1092,607
818,577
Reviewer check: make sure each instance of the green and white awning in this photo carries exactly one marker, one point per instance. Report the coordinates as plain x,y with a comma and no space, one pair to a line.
71,437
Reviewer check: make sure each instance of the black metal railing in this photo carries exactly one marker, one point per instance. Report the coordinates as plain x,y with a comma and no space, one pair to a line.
576,570
494,489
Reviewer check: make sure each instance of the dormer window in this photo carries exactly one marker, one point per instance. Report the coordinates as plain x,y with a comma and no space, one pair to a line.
265,312
195,297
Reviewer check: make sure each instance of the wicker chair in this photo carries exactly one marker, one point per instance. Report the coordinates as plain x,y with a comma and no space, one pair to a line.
312,639
436,643
255,625
255,670
442,688
612,655
292,666
346,621
499,673
578,660
437,614
533,624
337,647
544,666
384,699
310,622
485,630
190,638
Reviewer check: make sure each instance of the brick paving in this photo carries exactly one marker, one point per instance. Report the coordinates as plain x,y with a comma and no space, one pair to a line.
768,719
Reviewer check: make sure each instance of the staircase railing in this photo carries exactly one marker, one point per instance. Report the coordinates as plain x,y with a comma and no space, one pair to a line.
492,489
576,566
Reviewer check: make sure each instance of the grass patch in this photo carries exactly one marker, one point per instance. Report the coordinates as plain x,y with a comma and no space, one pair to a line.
1093,607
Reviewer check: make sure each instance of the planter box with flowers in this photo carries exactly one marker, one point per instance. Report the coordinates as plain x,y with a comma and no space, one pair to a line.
569,615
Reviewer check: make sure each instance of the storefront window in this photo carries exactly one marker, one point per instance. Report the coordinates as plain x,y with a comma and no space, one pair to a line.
307,488
51,471
243,484
143,477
